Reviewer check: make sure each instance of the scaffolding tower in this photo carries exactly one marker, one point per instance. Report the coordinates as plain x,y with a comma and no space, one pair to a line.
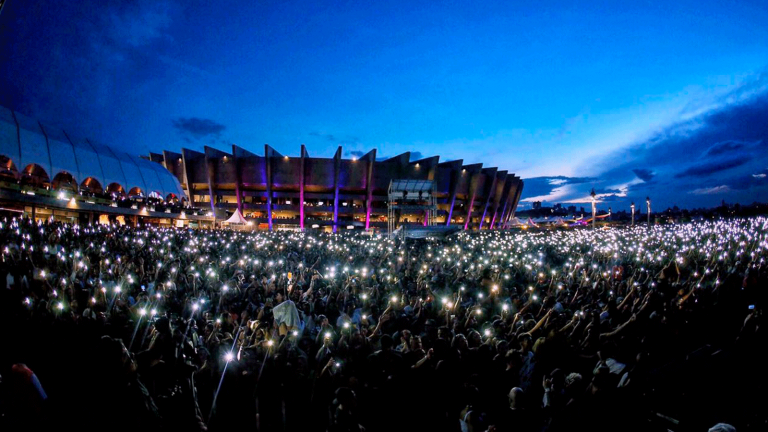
411,196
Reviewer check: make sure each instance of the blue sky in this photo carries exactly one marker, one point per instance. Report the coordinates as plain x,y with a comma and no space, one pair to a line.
647,98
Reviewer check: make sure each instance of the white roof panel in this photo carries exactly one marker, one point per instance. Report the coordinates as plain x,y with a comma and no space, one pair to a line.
62,154
34,149
9,138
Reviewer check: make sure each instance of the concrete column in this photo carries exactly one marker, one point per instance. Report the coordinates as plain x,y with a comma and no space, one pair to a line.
268,168
455,179
501,201
473,194
369,189
302,180
336,169
238,179
491,192
210,173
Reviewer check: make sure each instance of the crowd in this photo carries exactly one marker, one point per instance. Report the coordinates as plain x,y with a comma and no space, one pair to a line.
633,328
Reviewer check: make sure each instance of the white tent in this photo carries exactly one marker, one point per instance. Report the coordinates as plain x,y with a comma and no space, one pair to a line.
236,219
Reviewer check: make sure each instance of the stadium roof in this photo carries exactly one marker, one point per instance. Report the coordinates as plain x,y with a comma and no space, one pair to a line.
26,142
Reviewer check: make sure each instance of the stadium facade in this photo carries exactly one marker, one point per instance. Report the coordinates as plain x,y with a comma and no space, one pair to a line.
48,171
289,192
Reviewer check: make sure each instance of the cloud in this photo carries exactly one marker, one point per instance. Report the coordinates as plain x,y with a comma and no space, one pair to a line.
607,191
198,128
551,189
114,46
711,191
341,139
356,153
140,24
724,147
710,168
643,174
611,198
416,155
328,137
711,154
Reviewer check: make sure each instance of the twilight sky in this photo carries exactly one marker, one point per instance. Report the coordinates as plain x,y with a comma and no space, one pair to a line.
667,99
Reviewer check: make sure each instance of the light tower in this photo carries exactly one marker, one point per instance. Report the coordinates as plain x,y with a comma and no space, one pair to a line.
594,207
648,203
632,206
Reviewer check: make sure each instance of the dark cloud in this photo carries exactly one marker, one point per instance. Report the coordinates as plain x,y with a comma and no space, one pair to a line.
76,76
747,182
724,147
356,153
710,168
643,174
416,156
198,128
560,180
607,191
543,186
711,190
611,198
715,154
342,140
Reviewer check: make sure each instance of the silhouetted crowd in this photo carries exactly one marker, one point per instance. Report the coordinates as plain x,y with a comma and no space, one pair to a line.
615,329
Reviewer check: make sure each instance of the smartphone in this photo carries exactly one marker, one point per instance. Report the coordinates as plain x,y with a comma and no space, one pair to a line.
751,307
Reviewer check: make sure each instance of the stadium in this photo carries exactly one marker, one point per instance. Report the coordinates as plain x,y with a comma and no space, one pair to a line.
47,172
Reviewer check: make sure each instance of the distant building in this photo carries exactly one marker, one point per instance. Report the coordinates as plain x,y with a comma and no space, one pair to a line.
48,173
537,205
290,192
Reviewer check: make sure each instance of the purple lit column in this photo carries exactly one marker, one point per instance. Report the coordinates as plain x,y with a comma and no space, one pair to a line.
473,181
501,201
268,166
369,190
209,170
469,211
301,187
502,220
455,179
238,179
491,192
336,169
